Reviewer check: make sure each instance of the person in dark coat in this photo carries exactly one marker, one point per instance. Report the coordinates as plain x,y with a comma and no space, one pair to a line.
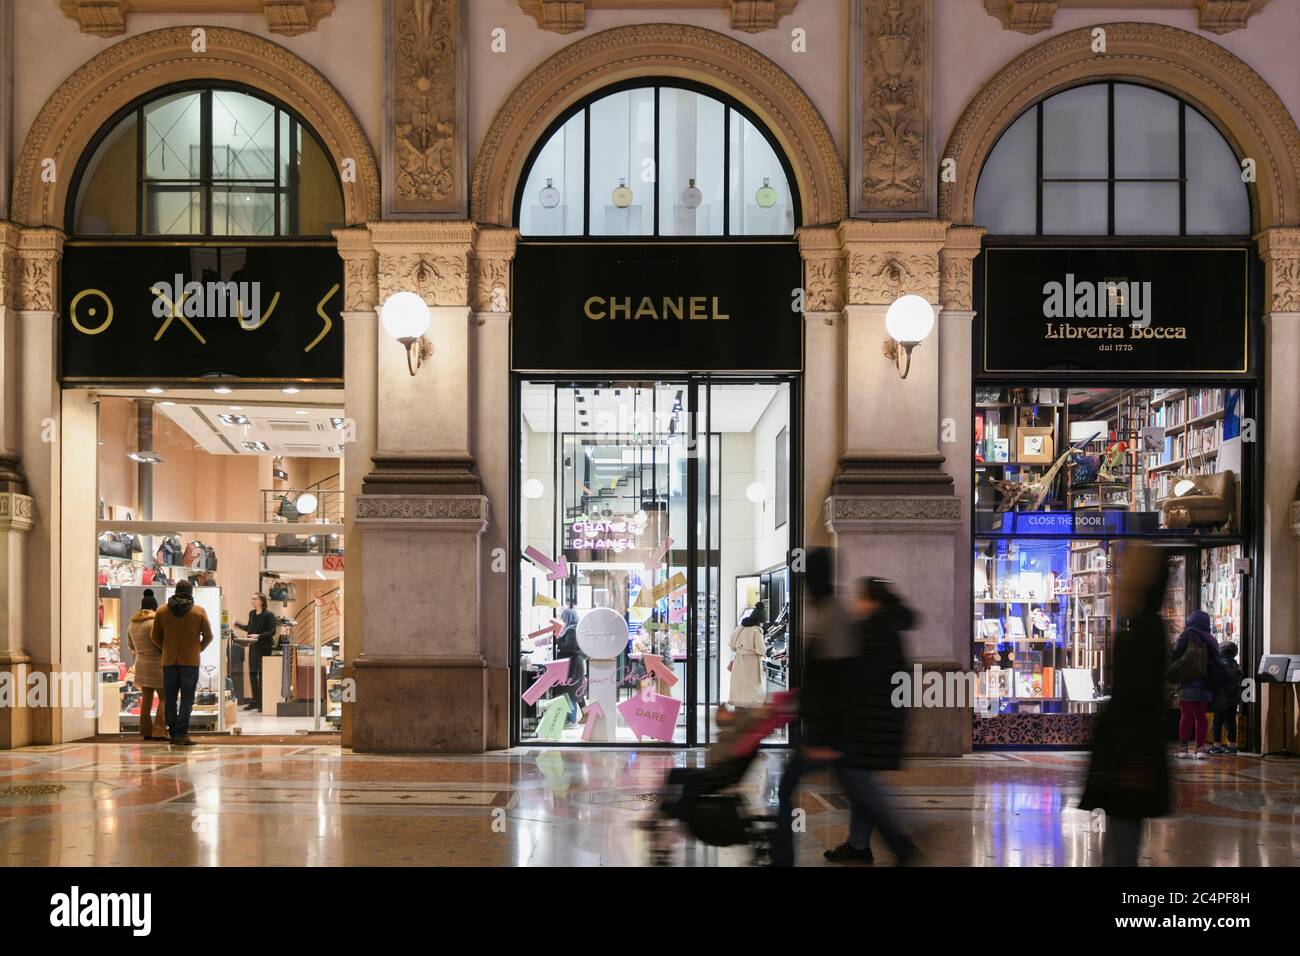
840,711
261,629
1226,701
1128,776
1195,695
567,646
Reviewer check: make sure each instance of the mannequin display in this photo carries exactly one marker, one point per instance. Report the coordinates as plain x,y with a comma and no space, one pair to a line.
747,644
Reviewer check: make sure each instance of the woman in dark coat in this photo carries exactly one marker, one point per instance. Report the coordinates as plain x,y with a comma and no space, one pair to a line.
1128,777
1195,695
567,646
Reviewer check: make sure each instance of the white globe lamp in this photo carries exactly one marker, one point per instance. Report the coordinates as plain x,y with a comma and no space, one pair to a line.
909,320
406,318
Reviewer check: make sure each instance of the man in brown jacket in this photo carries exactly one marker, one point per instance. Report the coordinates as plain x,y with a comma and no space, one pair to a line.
181,631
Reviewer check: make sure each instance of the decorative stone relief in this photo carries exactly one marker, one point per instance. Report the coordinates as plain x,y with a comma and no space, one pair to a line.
427,95
881,508
1295,518
1280,249
1034,16
956,259
107,18
557,16
494,248
430,259
8,264
755,16
421,508
1224,16
39,251
17,512
892,135
822,269
360,285
883,260
1023,16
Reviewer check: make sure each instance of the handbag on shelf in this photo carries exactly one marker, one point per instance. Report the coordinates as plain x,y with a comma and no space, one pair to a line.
113,545
169,551
281,592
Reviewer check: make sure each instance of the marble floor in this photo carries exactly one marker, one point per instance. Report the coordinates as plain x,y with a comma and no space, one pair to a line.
233,805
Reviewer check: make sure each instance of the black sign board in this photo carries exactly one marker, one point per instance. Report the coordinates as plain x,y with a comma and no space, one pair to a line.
1116,310
160,313
657,307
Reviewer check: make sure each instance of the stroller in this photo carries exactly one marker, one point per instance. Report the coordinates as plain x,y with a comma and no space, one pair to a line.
697,796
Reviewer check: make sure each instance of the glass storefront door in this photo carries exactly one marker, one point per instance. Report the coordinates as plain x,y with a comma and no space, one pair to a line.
642,503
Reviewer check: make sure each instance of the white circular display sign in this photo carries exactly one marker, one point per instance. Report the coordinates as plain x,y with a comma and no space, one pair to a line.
602,634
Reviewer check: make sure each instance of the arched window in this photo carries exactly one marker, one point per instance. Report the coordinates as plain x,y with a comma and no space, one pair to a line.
657,160
206,162
1112,159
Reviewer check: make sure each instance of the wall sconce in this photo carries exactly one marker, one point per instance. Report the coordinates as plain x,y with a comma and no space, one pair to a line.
406,318
908,321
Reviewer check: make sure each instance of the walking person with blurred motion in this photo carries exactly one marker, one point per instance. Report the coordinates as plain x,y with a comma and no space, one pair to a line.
1128,776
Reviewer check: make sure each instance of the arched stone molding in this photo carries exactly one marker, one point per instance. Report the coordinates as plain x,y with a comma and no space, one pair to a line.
1222,86
669,50
110,81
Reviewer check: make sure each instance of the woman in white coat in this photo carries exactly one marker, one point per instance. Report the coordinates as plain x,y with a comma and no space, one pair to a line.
748,688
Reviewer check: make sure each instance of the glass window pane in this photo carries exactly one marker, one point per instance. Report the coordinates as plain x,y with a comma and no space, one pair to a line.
173,210
1217,202
172,128
319,205
243,211
1075,134
106,199
1146,209
243,137
1006,199
1074,209
762,200
552,199
691,128
622,164
1146,133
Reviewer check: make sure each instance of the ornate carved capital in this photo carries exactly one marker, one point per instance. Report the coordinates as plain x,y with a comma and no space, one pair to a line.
892,132
107,18
426,124
494,248
39,252
1279,247
823,268
430,259
557,16
955,262
360,270
17,512
1023,16
888,508
8,264
755,16
884,260
1294,515
1224,16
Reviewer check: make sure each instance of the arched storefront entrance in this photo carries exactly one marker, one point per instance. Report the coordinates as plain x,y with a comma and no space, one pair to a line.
182,341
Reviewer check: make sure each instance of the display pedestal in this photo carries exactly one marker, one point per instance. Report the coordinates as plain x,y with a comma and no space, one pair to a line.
422,685
110,708
271,670
602,688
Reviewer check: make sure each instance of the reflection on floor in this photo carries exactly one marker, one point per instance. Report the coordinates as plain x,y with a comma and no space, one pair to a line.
253,722
147,804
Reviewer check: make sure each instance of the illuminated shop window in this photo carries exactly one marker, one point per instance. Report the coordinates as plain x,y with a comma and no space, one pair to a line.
1112,159
207,162
658,160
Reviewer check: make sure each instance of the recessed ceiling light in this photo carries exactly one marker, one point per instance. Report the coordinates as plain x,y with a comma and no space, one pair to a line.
222,390
236,408
167,404
300,411
145,457
290,390
154,390
256,446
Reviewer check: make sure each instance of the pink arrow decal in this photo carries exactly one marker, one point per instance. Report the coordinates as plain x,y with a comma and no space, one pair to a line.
652,716
555,627
656,666
594,713
555,570
656,558
556,671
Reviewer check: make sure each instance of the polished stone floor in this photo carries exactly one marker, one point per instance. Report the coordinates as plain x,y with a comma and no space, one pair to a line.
144,804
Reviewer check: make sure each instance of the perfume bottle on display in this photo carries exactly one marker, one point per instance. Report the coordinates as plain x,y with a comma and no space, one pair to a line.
691,196
622,196
766,195
549,196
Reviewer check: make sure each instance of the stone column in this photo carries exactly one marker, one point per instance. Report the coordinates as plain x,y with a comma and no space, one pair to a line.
823,398
1280,249
494,249
360,368
894,508
422,680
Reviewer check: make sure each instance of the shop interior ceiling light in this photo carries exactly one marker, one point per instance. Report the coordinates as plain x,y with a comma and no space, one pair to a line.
533,488
406,318
145,457
306,503
909,320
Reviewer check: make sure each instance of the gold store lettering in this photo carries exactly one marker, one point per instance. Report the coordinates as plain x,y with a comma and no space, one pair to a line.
696,308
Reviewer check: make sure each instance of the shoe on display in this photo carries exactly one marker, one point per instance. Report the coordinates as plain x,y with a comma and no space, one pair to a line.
847,853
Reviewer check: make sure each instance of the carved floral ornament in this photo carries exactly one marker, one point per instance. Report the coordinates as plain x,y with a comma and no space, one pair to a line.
894,132
1034,16
430,259
570,16
107,18
428,143
1280,249
36,269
